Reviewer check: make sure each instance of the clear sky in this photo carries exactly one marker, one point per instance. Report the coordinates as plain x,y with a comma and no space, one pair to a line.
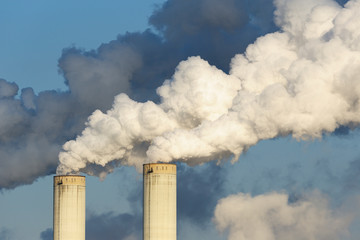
69,58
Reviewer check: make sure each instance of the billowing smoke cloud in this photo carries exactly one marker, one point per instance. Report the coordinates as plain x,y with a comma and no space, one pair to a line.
33,127
107,72
302,80
271,216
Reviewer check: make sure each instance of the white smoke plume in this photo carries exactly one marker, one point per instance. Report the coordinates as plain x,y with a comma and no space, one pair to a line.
34,126
302,80
271,216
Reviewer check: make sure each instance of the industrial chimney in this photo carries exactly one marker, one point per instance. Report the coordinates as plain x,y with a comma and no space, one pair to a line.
69,207
159,217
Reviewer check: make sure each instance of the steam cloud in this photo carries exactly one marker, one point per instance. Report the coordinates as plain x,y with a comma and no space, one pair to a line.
34,126
271,216
302,80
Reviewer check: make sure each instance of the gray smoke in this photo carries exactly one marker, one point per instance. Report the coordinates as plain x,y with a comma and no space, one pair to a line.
301,80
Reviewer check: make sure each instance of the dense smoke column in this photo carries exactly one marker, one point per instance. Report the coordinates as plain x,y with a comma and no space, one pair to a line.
69,208
301,81
159,201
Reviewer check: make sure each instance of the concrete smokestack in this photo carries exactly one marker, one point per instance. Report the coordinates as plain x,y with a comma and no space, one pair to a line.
69,208
159,201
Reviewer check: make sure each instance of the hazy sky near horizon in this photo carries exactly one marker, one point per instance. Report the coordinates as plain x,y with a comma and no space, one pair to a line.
69,58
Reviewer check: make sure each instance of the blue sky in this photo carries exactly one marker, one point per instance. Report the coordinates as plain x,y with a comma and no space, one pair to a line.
34,34
43,43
